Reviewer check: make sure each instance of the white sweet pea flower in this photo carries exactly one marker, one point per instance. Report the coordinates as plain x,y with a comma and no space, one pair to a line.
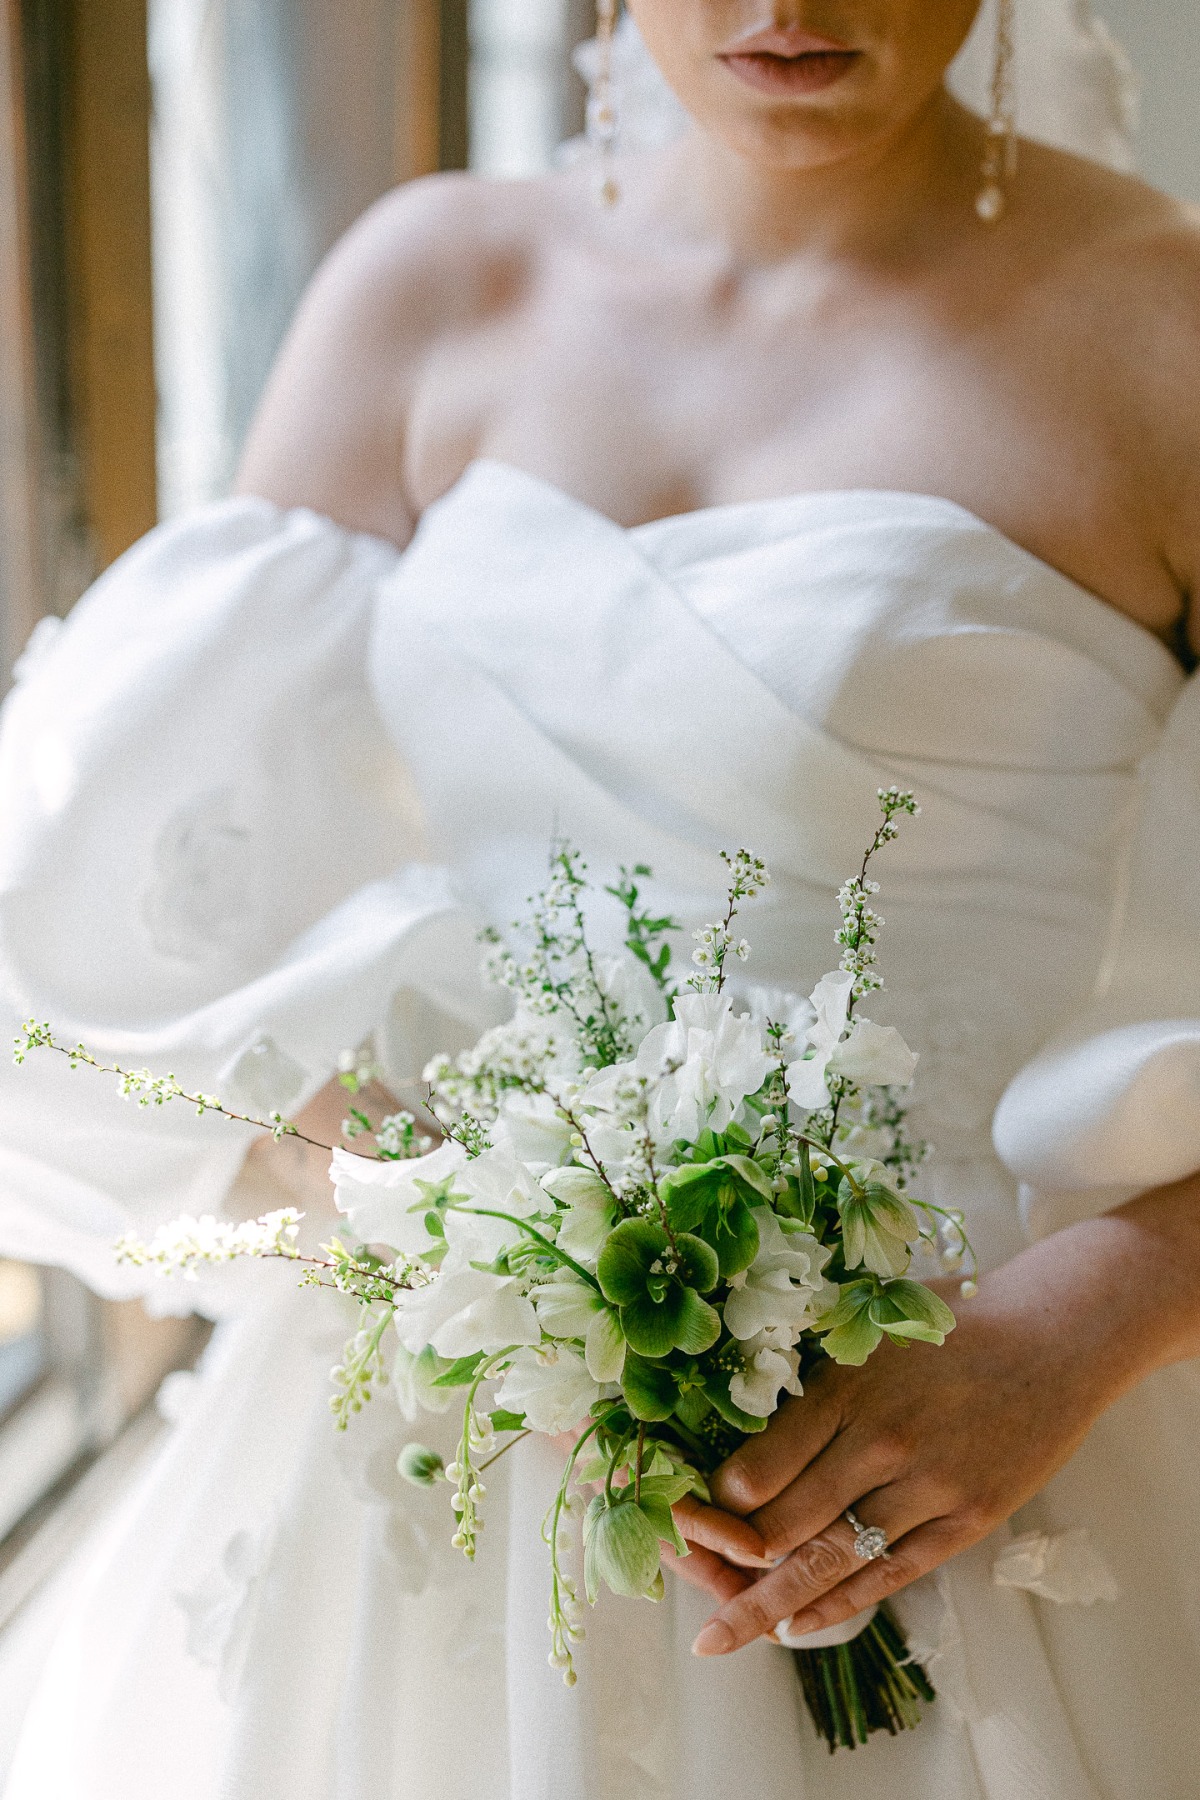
768,1371
591,1211
475,1238
385,1202
871,1055
569,1308
784,1290
466,1307
465,1310
530,1129
632,991
831,1003
565,1305
874,1056
500,1181
551,1386
698,1068
777,1006
412,1383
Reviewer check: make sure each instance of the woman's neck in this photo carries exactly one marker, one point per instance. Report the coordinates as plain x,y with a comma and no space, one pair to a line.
857,205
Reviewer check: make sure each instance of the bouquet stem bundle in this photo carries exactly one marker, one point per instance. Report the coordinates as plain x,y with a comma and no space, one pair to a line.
870,1684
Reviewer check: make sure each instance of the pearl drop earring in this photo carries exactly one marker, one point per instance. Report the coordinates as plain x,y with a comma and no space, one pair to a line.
1000,154
602,105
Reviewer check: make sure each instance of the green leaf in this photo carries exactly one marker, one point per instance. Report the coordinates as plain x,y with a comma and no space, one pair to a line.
461,1373
507,1421
908,1311
851,1344
650,1391
686,1196
692,1408
736,1239
715,1200
905,1331
658,1512
670,1488
799,1198
754,1179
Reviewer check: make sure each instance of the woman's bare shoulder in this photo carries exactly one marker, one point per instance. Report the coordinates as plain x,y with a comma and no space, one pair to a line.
1141,315
432,260
1118,264
1098,222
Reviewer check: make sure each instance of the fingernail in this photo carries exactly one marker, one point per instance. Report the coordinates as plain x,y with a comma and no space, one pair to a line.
742,1559
715,1640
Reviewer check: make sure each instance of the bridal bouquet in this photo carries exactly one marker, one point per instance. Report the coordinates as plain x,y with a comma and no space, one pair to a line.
652,1211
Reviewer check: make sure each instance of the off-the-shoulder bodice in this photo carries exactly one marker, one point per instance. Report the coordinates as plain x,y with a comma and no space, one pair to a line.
262,785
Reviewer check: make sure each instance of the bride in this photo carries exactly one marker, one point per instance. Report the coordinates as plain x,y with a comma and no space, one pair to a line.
841,442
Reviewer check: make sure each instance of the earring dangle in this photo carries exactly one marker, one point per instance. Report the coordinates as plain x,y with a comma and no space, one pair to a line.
1000,154
602,105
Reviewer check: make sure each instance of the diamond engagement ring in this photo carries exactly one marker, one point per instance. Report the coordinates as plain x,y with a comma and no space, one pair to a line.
870,1541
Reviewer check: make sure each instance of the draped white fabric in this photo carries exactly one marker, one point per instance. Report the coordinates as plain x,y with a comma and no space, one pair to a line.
263,783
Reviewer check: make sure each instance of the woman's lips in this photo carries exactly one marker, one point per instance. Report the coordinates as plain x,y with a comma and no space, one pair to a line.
808,72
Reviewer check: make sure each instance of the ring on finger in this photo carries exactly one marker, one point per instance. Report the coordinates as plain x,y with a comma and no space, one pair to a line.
870,1541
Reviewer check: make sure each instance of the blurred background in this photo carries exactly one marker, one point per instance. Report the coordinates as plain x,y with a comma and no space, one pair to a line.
171,172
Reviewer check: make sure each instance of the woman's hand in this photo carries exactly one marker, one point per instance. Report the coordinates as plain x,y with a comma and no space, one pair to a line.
936,1446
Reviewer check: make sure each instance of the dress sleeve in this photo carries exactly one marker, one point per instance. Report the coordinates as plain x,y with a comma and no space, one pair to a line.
211,865
1112,1106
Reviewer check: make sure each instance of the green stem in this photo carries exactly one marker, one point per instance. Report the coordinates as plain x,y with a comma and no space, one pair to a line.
548,1244
816,1144
613,1460
511,1444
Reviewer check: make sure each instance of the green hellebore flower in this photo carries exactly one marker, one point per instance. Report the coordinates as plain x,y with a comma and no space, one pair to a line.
620,1548
657,1286
867,1310
877,1227
621,1537
715,1199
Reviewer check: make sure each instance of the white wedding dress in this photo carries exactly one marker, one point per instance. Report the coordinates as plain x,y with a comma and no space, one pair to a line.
257,793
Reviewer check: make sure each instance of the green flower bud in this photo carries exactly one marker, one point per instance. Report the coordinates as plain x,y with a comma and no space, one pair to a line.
420,1465
620,1549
